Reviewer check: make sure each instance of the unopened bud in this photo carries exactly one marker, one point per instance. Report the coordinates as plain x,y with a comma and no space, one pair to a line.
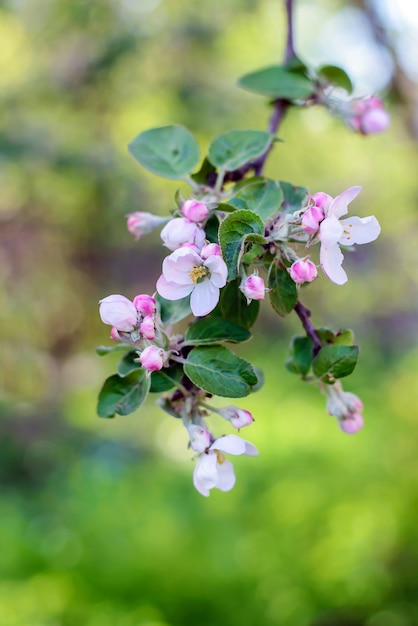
200,438
303,271
312,217
145,304
141,223
152,358
147,328
119,312
194,210
253,288
238,417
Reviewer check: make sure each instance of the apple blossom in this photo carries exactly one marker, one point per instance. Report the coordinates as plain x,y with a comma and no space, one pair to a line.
334,232
141,223
346,407
181,230
200,437
368,116
253,287
119,311
147,328
312,218
213,469
152,358
238,417
185,272
303,271
194,210
145,304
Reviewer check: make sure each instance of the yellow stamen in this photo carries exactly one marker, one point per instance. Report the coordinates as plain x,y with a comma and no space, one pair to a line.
220,457
198,272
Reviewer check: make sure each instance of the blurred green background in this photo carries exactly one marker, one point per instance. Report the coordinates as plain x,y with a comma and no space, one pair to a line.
99,522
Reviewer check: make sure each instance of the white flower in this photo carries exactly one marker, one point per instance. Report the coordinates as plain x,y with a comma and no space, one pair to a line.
180,231
119,312
185,272
214,470
334,232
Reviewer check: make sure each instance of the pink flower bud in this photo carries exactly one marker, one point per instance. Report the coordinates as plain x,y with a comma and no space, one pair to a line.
253,288
145,304
210,249
351,423
238,417
181,230
374,121
321,200
140,223
114,334
152,358
147,328
195,211
303,271
368,115
312,217
119,312
200,438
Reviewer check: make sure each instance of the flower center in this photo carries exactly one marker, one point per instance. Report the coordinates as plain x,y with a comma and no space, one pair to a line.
198,273
220,457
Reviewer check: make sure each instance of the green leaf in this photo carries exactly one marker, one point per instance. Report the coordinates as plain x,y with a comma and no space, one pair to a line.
219,371
283,294
169,151
301,355
206,172
334,362
213,330
211,228
172,311
294,197
165,379
127,364
261,195
123,395
233,306
278,82
344,337
232,233
337,76
103,350
233,149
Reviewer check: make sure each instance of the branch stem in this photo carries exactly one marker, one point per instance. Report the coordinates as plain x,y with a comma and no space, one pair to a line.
304,315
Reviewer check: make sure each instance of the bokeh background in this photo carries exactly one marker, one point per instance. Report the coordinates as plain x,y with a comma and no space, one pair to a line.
99,522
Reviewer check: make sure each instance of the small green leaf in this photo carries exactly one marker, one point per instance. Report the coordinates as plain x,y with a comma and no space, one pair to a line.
260,195
232,232
219,371
301,355
211,228
278,82
335,362
127,363
294,197
233,149
213,330
337,76
172,311
283,294
233,306
344,337
123,395
206,172
103,350
167,378
169,151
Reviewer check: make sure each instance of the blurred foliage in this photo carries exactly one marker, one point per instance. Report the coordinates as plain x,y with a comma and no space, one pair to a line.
320,530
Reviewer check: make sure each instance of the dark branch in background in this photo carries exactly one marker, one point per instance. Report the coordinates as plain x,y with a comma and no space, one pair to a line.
304,315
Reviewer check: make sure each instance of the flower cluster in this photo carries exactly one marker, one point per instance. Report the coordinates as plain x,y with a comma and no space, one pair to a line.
346,407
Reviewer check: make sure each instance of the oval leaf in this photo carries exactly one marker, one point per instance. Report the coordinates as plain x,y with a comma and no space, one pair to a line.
232,232
233,149
283,294
122,395
294,197
127,364
172,311
165,379
337,76
213,330
335,362
260,195
219,371
277,82
301,355
169,151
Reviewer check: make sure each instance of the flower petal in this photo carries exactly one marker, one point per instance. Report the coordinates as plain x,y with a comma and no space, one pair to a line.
204,298
205,475
331,259
330,231
359,230
172,291
232,444
226,475
218,270
178,265
339,206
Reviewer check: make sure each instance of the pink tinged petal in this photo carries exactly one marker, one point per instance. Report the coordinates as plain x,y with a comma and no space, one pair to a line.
199,438
115,335
303,271
118,311
172,291
359,230
339,206
226,475
331,259
351,424
374,121
238,417
218,270
205,475
321,200
210,249
177,266
145,304
147,328
152,358
195,211
179,231
232,444
253,287
204,298
330,231
311,219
